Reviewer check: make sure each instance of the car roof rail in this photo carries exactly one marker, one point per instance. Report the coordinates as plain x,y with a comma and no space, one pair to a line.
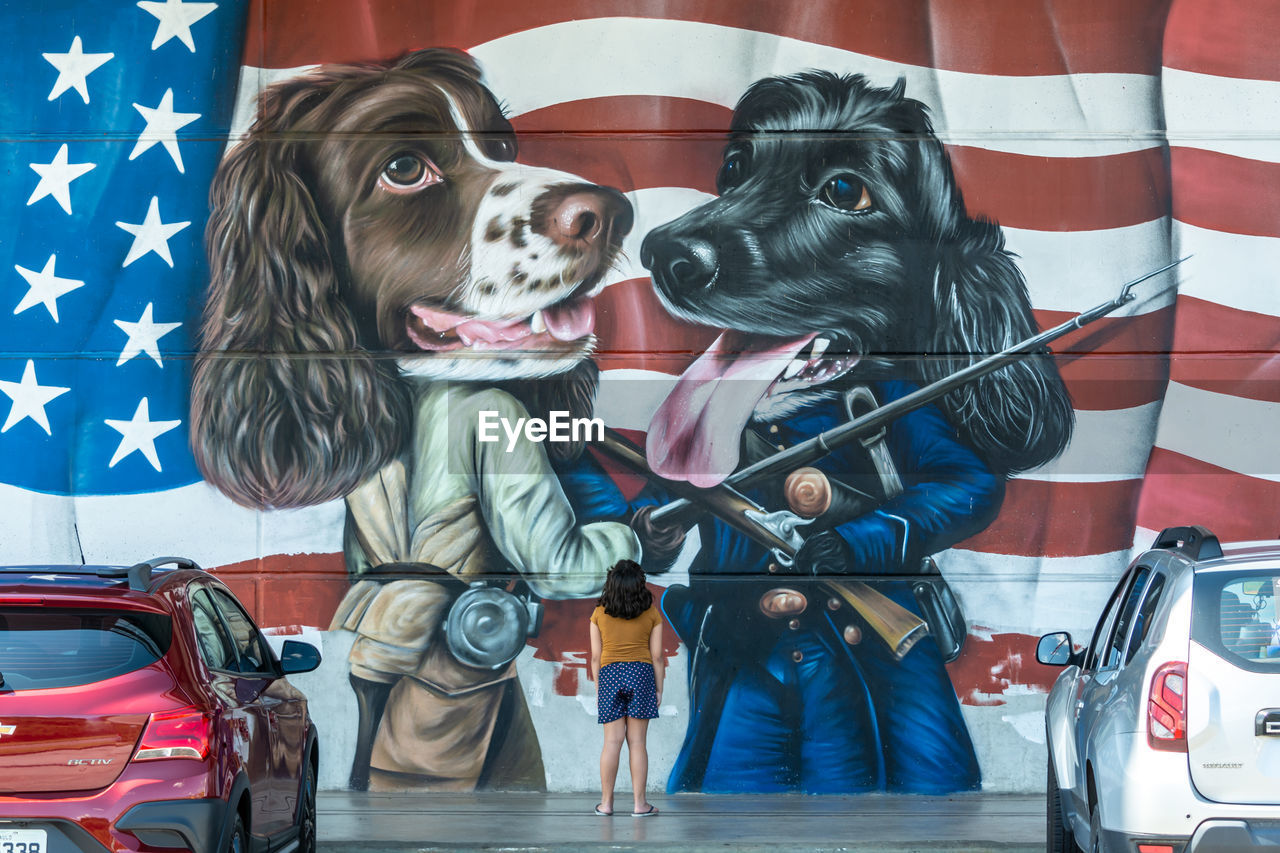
139,574
1196,542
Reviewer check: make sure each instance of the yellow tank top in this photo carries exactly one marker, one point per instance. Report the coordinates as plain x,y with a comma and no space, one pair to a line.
625,639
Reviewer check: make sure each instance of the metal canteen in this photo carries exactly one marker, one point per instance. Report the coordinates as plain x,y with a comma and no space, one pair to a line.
487,626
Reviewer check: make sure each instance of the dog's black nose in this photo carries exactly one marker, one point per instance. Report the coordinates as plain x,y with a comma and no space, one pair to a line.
679,263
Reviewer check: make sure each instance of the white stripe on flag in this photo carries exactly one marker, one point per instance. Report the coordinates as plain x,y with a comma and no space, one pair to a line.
1059,115
1076,270
1105,446
1032,595
1235,433
1224,114
1235,270
192,521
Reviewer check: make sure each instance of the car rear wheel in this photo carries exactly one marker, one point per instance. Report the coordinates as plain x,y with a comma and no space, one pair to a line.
1095,830
1059,837
239,840
307,812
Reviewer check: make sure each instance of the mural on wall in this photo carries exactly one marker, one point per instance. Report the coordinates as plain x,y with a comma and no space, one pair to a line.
280,271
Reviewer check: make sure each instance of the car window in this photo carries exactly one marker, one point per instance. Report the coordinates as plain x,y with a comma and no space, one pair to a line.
1146,611
46,647
1119,633
1103,631
251,650
215,645
1234,615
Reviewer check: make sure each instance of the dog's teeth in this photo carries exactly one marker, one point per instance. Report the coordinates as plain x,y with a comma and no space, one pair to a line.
819,347
537,323
793,368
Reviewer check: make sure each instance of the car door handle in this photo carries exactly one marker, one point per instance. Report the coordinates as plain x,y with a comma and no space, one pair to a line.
1267,723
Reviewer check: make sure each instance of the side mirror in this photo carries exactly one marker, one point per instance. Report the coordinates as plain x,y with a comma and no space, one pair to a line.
297,657
1055,649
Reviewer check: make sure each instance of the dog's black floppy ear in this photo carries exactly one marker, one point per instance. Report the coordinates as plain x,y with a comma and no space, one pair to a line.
286,409
1020,416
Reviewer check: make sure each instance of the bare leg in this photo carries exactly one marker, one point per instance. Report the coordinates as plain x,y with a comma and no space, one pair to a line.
637,730
614,734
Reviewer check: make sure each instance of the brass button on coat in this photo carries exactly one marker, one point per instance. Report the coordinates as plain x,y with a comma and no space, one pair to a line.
797,656
794,624
780,602
853,635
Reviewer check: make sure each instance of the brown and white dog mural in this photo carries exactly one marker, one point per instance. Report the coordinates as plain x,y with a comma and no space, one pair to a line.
382,273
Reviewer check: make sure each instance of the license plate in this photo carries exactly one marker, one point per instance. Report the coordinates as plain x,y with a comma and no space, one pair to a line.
23,841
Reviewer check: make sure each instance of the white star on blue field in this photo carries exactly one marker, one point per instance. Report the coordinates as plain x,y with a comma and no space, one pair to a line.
111,141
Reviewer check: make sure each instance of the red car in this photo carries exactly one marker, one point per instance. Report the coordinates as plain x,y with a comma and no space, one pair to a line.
142,710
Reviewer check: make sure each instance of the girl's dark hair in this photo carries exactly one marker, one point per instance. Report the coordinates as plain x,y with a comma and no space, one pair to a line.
625,595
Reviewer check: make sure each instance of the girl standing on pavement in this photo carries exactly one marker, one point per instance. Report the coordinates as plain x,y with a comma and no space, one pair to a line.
627,666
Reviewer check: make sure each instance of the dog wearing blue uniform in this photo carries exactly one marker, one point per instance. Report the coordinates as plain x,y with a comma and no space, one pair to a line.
841,261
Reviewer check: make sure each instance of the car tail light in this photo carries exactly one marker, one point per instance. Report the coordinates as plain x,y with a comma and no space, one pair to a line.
175,734
1155,848
1167,708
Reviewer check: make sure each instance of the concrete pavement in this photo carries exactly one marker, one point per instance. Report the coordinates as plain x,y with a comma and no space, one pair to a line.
370,823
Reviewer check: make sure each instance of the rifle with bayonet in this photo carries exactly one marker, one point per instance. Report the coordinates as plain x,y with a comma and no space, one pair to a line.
780,531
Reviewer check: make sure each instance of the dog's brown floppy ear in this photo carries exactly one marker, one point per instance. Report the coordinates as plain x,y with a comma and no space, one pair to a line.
286,409
1020,416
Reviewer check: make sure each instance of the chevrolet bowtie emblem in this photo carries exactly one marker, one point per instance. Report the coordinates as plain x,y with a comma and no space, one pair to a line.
7,730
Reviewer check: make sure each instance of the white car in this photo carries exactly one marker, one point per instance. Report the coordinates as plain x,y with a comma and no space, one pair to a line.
1164,733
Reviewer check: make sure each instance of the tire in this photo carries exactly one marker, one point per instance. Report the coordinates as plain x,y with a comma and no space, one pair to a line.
1095,830
238,842
307,811
1059,838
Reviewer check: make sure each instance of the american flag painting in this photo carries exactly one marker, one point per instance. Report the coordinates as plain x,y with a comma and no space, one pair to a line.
1107,140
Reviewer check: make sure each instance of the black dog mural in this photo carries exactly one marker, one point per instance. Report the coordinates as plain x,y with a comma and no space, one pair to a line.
842,264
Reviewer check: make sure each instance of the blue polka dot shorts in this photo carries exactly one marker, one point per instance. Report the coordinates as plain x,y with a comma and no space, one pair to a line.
626,689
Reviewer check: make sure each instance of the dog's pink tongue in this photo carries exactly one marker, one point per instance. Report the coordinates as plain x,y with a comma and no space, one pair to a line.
694,434
568,321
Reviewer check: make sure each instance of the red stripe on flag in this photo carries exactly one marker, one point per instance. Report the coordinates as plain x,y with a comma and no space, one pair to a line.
1227,351
1116,362
1063,193
635,331
991,665
1226,38
980,36
1181,490
1225,193
1054,519
289,589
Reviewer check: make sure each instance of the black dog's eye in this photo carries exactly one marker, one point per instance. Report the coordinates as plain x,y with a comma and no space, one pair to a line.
406,173
732,173
845,192
500,148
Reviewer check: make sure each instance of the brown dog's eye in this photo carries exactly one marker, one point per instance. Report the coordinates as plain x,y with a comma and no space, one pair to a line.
845,192
406,173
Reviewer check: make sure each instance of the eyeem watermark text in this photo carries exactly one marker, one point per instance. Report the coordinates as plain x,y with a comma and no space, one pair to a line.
558,428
